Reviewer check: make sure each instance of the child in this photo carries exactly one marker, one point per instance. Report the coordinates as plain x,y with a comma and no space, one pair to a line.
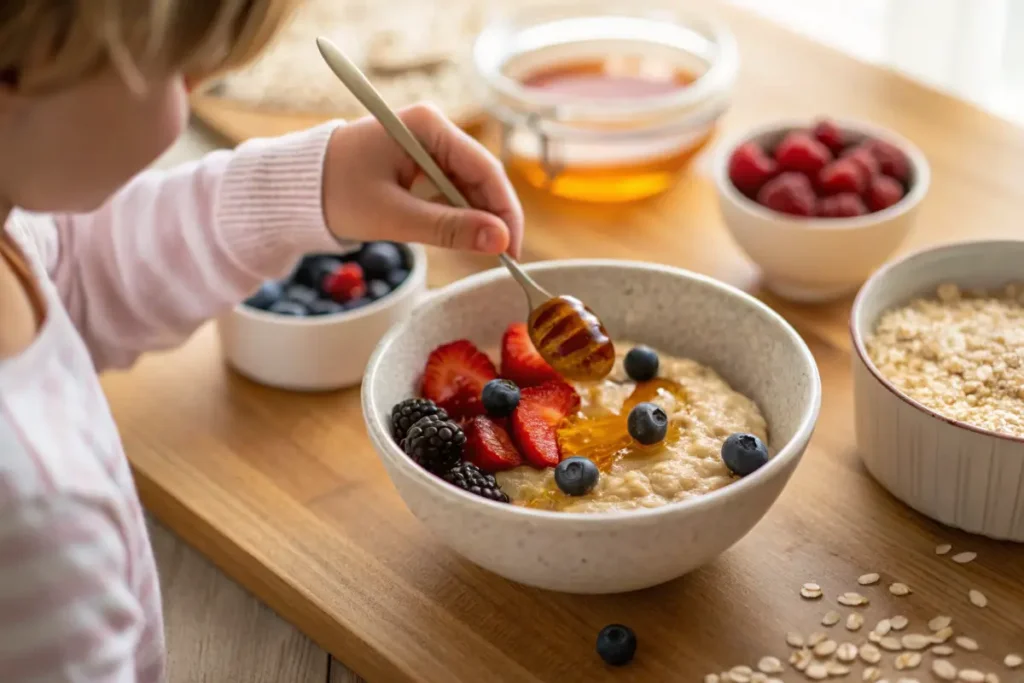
92,275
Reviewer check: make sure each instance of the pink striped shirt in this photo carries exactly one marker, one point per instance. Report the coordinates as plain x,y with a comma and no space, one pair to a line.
79,594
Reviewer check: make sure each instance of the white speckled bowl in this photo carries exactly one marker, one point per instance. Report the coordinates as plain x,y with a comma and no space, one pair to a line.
957,474
674,310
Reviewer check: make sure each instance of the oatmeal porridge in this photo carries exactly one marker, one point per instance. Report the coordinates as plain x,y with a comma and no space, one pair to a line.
702,409
959,353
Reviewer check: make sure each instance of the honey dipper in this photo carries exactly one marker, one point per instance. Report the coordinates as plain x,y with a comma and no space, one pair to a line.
566,333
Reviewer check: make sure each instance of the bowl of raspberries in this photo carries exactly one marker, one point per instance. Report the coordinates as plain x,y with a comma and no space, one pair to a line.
819,205
315,329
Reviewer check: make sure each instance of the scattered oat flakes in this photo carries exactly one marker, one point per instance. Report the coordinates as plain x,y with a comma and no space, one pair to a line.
854,622
908,660
836,669
939,623
774,680
964,558
817,672
977,598
810,591
1013,661
741,673
899,589
899,622
801,659
831,618
943,548
825,648
770,665
942,650
942,635
965,643
991,677
794,639
883,627
874,637
712,678
815,638
870,654
891,644
907,680
916,641
852,599
846,652
758,677
726,678
943,669
971,676
871,674
868,579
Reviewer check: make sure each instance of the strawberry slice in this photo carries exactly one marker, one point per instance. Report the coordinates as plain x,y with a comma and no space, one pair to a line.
454,377
536,419
520,360
489,447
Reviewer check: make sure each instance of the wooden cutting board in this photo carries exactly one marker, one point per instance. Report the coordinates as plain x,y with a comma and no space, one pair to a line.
284,492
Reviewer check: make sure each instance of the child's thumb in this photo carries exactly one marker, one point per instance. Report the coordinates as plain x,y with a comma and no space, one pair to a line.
441,225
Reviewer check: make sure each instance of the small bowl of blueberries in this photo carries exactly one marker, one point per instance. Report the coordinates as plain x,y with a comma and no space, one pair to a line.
315,329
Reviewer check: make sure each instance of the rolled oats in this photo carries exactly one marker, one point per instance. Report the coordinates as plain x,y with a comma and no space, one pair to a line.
899,589
870,654
870,674
899,622
960,354
977,598
868,579
939,623
965,643
846,652
854,622
831,618
770,665
907,660
944,670
971,676
943,548
1013,661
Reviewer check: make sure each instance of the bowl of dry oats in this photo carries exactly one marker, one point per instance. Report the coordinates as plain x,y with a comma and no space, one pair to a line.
938,339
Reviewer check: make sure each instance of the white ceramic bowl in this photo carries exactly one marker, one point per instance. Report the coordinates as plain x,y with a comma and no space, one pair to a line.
817,259
673,310
957,474
320,353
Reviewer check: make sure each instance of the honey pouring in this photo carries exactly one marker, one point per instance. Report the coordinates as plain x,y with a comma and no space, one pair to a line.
567,334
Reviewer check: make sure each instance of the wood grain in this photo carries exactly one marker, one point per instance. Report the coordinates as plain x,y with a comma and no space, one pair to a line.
284,492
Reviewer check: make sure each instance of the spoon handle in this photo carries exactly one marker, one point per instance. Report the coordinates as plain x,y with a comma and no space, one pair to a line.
363,90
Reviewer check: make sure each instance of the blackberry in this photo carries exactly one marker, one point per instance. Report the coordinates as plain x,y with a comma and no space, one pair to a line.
435,444
469,477
409,412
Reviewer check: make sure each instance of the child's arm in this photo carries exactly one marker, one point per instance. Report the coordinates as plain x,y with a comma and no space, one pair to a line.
173,249
68,613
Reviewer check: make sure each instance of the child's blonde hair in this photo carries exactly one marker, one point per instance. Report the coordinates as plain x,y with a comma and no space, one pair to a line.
48,44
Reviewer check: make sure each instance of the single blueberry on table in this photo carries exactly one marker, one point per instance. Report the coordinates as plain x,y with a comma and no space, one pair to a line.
396,277
286,307
325,307
267,295
500,397
302,294
744,453
377,289
616,644
647,423
380,258
641,363
576,476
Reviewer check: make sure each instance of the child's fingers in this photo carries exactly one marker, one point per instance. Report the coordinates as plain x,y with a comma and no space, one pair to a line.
411,219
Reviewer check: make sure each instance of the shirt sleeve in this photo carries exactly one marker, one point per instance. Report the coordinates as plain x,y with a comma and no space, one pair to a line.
66,610
175,248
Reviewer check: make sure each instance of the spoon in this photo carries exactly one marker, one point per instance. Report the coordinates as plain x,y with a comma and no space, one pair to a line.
566,333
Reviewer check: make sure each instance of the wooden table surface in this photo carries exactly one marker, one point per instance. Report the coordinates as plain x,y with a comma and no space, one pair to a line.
284,493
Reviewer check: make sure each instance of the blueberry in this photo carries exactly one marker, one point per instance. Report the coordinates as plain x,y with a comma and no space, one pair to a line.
285,307
500,397
641,363
576,476
380,258
744,453
377,289
397,277
357,303
325,307
302,294
616,644
312,270
267,295
647,423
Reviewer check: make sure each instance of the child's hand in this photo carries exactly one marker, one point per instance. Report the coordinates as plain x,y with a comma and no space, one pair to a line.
367,177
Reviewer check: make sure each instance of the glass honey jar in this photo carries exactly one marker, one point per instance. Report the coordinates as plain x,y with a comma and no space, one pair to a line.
604,100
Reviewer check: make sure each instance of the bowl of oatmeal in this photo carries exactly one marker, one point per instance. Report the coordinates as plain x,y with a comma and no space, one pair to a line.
728,366
939,383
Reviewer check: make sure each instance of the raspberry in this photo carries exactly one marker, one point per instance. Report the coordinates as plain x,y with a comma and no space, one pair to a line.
798,151
346,283
865,159
842,175
891,160
883,193
750,168
789,192
830,135
843,205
